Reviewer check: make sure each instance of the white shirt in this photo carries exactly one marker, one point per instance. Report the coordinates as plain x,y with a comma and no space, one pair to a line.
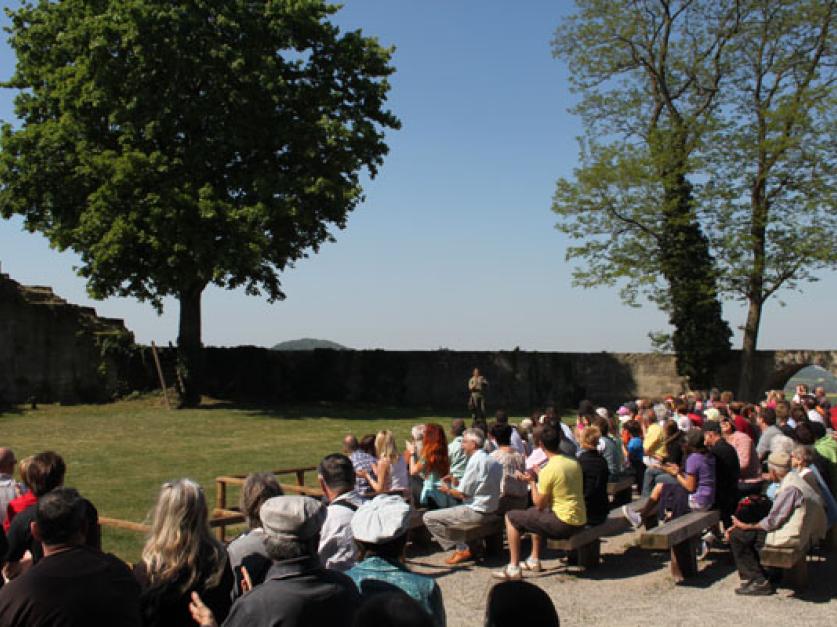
337,544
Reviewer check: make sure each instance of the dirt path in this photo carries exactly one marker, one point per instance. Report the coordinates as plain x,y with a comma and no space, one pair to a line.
633,587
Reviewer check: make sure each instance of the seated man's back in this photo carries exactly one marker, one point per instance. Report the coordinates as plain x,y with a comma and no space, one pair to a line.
73,584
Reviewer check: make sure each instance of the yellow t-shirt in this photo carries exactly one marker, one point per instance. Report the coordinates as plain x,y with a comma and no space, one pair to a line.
561,478
654,443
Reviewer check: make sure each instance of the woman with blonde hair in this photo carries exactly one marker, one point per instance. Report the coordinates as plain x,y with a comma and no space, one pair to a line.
181,556
391,469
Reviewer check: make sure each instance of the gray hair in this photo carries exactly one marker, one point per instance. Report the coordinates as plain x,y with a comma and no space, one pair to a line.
781,444
805,454
474,435
281,549
417,432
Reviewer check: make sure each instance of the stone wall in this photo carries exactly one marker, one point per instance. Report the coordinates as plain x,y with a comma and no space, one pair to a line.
52,351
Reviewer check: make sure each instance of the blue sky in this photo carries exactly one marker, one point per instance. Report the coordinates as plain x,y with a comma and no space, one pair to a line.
454,246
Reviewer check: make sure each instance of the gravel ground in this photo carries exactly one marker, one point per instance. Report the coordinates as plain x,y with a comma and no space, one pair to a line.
633,586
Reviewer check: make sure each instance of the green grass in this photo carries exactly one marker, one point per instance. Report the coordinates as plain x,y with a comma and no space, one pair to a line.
118,455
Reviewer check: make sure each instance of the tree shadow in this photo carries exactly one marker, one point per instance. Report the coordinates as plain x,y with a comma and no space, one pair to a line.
324,409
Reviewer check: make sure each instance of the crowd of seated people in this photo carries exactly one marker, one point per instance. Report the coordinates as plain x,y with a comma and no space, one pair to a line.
770,469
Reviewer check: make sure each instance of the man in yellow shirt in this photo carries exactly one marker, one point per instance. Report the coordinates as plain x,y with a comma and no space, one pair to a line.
559,512
653,444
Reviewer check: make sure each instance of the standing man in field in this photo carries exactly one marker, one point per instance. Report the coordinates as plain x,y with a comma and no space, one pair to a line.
477,385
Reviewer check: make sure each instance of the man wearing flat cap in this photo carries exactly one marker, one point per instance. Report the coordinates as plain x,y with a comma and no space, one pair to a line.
380,529
297,590
796,520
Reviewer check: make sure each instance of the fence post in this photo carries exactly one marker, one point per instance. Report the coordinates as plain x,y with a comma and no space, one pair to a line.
221,503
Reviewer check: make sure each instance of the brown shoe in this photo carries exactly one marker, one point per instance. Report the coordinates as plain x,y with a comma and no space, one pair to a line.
459,556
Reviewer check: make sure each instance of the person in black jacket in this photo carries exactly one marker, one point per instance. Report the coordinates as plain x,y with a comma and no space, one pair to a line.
596,475
727,471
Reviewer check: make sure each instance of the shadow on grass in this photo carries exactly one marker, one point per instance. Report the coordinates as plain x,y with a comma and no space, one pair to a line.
342,411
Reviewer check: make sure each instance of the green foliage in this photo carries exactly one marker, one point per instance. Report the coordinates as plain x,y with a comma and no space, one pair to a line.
648,74
174,145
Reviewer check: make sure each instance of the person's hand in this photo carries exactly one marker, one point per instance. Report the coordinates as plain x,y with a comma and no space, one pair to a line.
201,614
672,469
246,581
741,525
362,474
410,447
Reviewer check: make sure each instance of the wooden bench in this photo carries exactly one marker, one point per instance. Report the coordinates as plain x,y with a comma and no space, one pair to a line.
491,529
681,536
620,491
587,542
792,561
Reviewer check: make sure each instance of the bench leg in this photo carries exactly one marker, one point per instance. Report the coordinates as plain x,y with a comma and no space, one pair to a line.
684,559
494,544
796,577
622,498
588,556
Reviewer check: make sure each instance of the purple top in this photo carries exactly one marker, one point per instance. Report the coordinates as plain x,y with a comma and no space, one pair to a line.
702,466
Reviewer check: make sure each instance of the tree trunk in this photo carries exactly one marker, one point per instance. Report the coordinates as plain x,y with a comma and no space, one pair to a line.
701,335
746,392
189,349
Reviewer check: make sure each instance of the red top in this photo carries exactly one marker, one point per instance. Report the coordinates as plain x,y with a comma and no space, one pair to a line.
17,505
697,420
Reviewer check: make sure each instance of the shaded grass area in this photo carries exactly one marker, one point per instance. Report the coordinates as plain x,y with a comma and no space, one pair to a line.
117,455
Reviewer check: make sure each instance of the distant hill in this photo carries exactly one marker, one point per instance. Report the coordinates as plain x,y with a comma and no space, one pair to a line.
308,344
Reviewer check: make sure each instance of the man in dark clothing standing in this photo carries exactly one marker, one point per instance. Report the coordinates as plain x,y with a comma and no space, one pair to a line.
297,591
727,471
73,584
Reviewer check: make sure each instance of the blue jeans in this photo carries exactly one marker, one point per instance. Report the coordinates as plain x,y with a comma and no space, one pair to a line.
652,477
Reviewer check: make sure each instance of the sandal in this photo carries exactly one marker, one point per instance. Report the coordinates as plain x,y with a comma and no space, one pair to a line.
508,574
531,565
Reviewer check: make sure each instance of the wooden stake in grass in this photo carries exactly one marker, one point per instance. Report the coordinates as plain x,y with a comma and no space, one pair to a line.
160,374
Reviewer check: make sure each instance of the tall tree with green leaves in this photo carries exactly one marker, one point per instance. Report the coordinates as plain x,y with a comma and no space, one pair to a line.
648,73
174,145
768,199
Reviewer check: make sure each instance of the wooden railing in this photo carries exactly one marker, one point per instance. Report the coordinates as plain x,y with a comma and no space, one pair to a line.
223,481
224,515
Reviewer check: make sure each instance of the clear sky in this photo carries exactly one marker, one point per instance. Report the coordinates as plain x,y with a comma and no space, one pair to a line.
455,244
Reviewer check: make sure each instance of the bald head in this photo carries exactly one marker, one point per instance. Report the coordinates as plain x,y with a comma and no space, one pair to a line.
7,461
457,427
350,443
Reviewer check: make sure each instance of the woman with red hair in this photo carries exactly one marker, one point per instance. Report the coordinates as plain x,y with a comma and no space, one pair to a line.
432,464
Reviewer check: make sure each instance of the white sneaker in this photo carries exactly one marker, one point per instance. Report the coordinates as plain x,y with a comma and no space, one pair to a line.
633,517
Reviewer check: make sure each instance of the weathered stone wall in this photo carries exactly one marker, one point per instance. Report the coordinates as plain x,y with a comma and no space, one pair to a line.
51,350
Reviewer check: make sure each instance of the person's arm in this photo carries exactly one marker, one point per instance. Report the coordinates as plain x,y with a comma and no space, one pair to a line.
384,468
444,488
688,481
786,501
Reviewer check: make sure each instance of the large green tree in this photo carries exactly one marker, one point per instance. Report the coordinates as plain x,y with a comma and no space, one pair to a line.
731,102
648,73
768,198
174,145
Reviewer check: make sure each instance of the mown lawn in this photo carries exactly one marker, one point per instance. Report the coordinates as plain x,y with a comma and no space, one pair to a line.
117,455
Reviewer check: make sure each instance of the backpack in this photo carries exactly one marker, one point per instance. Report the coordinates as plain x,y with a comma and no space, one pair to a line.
753,508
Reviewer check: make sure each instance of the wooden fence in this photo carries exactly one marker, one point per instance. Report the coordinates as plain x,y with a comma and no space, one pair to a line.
223,515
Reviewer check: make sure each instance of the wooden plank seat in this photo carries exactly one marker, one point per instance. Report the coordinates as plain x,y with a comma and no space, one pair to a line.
620,491
587,542
680,536
793,562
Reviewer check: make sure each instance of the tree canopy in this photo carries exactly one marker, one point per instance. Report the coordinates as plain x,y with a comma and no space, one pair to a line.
728,104
174,145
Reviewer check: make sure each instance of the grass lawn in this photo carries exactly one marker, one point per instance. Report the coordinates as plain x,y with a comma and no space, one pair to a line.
117,455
